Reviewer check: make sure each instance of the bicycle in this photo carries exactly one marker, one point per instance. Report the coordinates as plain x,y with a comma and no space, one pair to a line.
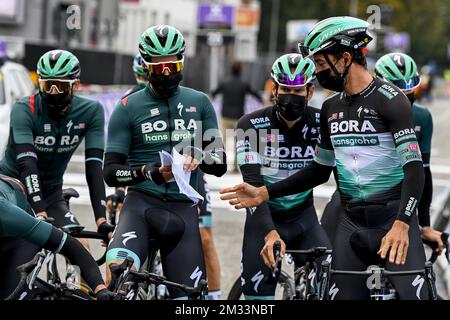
381,288
77,232
127,284
31,287
302,286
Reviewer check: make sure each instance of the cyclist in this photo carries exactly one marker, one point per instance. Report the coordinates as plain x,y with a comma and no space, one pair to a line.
212,263
17,221
272,144
46,129
366,130
141,76
162,116
401,70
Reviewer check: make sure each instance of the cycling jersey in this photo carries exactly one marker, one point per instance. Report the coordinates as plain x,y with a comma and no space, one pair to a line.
55,141
277,152
423,127
49,143
370,138
143,124
268,152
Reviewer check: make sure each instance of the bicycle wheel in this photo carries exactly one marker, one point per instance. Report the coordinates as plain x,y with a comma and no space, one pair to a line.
236,290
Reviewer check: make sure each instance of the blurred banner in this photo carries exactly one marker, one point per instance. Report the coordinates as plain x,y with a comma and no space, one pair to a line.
215,16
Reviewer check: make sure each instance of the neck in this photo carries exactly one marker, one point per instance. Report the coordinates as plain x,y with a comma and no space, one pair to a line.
289,123
358,78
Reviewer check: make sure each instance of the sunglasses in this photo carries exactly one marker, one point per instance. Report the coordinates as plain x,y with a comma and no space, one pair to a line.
61,85
284,80
161,67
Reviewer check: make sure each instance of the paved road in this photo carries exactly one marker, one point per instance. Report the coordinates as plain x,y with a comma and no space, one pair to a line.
229,223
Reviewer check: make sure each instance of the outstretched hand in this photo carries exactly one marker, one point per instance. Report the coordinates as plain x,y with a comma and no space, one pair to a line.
245,195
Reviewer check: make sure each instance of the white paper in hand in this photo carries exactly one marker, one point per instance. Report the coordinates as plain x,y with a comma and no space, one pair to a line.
182,177
166,160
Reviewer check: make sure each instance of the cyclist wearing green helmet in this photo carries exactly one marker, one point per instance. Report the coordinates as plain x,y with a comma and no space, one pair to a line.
140,73
367,133
162,116
46,129
401,70
272,144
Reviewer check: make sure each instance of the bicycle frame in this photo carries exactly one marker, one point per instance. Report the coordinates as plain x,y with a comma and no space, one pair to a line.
381,275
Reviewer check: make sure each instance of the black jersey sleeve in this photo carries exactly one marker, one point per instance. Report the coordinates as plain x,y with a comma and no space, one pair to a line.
249,161
397,113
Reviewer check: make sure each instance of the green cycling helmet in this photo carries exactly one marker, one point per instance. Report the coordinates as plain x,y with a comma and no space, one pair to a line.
160,41
345,31
58,64
302,74
138,68
398,69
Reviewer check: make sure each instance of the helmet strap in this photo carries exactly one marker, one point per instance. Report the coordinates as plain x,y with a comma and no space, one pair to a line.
333,67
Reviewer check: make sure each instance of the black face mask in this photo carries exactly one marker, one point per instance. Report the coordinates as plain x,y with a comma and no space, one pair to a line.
336,82
291,106
411,97
57,103
165,86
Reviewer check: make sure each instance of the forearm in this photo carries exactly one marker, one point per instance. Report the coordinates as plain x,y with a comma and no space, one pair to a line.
313,175
117,174
251,174
77,255
94,178
425,201
412,188
29,175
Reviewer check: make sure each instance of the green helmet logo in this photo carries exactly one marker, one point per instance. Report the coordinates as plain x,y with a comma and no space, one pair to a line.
345,31
58,64
160,41
293,70
398,69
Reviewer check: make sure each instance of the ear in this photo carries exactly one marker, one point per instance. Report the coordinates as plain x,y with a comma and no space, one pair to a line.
76,85
311,92
347,58
274,89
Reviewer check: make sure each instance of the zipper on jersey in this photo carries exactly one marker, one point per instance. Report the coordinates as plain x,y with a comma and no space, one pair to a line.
170,142
57,138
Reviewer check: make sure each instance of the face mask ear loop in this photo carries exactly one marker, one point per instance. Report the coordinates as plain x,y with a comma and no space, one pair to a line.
336,72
